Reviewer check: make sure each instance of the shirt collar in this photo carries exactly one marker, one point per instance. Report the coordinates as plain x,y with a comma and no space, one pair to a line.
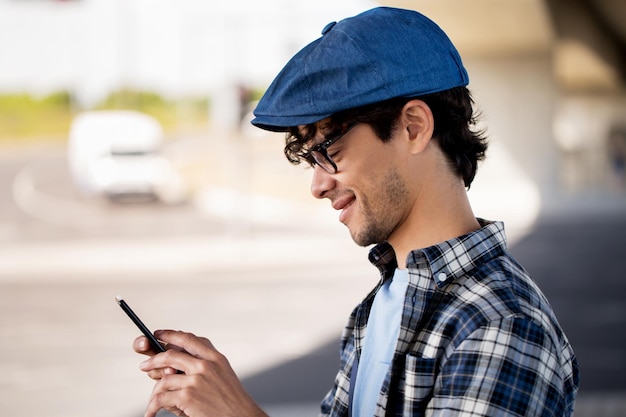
450,259
383,257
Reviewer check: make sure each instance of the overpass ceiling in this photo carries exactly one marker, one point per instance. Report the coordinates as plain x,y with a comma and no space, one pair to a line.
586,38
612,13
480,27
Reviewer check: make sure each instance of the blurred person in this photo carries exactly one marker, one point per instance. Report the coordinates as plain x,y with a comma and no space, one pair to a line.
379,108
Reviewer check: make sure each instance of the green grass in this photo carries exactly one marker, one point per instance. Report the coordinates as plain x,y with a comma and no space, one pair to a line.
24,117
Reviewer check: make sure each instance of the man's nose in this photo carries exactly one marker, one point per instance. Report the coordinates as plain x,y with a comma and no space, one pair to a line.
321,182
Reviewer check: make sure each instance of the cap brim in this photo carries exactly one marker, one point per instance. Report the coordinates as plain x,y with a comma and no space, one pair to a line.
283,123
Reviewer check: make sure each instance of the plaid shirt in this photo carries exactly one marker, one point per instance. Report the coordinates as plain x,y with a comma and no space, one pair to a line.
478,338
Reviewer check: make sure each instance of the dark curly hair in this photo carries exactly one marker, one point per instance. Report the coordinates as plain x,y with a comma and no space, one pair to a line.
454,128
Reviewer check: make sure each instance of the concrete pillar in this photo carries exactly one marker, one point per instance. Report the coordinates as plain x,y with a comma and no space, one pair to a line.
516,97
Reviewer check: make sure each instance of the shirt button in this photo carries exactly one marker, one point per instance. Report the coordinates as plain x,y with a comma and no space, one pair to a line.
441,277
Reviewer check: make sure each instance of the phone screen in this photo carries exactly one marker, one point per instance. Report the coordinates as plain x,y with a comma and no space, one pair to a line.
153,340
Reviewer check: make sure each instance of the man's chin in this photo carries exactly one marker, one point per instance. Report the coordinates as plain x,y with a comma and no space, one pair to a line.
363,239
355,237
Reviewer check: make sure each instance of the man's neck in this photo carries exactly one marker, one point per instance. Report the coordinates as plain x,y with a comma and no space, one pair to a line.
444,216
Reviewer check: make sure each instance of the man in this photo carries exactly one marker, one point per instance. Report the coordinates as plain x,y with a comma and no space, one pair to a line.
379,107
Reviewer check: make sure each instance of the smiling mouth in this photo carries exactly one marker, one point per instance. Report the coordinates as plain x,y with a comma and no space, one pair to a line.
344,206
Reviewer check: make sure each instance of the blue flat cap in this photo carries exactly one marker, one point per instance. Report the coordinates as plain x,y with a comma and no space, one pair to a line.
377,55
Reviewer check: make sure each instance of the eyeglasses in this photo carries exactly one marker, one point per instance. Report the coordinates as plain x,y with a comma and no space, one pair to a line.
318,155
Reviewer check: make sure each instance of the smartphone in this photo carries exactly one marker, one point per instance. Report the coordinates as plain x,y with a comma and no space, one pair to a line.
156,345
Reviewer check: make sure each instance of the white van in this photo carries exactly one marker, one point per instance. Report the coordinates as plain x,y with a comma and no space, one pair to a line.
117,154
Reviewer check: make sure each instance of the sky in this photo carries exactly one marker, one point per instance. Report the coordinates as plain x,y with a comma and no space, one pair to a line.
177,48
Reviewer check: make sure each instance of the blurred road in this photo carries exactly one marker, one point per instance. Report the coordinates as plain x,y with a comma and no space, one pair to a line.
208,268
270,279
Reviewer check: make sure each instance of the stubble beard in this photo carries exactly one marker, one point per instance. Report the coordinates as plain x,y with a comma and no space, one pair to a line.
380,209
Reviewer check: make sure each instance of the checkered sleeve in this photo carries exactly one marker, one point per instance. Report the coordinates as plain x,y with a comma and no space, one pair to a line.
337,400
509,367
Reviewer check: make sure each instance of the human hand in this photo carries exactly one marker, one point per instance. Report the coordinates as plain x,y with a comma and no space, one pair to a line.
207,386
143,346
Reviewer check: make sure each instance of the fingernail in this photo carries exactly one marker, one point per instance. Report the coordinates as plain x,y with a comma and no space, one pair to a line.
144,364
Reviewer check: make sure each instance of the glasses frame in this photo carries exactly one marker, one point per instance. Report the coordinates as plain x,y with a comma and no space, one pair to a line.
318,154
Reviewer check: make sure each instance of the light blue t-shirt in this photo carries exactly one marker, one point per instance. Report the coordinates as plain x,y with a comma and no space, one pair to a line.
383,327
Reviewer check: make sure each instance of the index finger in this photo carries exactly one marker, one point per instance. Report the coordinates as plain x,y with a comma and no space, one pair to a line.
188,342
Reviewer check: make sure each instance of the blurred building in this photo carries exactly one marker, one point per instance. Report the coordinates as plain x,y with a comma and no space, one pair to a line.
547,75
549,78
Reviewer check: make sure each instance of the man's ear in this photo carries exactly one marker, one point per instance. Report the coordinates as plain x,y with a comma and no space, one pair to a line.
417,119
